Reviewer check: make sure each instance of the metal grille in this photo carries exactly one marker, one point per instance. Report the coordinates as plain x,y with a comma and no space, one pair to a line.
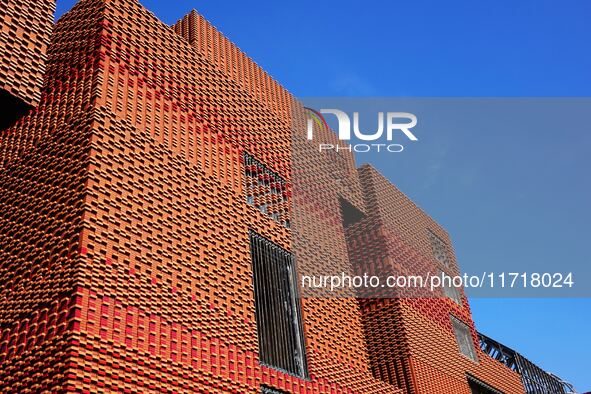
266,190
535,379
277,305
498,351
464,338
439,248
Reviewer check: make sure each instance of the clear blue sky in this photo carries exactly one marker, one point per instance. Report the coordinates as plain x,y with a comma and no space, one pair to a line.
455,48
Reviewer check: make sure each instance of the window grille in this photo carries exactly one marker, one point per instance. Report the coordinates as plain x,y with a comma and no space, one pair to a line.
464,338
277,306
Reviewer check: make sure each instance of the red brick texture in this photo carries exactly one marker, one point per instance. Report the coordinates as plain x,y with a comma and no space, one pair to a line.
421,353
25,31
124,246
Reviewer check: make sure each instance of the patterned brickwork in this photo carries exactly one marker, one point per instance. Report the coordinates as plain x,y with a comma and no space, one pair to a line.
44,162
125,217
156,284
25,29
421,354
266,190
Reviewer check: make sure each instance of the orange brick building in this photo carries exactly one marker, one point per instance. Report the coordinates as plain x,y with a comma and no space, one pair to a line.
160,179
24,37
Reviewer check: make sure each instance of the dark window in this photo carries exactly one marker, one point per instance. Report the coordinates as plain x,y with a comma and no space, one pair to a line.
277,306
464,338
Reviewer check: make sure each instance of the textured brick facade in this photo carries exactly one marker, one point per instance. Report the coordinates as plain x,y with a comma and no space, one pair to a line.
124,228
25,30
410,339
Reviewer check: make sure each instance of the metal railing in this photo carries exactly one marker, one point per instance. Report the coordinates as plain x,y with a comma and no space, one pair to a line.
535,380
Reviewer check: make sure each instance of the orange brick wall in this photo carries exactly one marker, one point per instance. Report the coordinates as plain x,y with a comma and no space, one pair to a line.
154,288
421,348
25,30
125,262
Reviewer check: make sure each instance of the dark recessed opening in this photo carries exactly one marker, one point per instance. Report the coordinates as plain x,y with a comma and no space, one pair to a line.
477,386
270,390
351,215
13,108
